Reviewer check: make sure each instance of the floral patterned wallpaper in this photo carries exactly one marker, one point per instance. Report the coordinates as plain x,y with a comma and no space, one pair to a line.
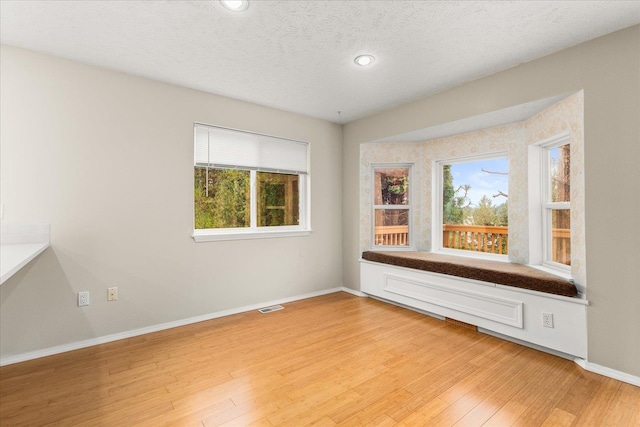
565,116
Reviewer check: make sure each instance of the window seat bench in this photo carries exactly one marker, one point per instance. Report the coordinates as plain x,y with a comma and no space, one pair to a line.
506,299
503,273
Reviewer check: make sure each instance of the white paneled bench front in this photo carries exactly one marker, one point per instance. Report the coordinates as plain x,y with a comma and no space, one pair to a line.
448,286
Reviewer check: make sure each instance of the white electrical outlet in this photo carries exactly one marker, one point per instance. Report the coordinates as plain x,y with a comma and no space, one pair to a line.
547,320
83,299
112,293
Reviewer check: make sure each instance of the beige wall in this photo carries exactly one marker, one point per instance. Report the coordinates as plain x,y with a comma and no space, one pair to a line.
106,159
608,70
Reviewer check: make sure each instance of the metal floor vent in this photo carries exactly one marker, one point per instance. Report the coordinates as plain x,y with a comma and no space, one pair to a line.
270,309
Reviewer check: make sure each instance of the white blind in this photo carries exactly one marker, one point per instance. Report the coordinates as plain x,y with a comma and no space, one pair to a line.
228,148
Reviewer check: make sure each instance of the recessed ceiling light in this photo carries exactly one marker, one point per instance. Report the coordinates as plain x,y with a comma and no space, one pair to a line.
364,60
235,5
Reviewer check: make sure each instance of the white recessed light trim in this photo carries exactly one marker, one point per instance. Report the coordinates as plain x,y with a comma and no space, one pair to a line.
235,5
364,60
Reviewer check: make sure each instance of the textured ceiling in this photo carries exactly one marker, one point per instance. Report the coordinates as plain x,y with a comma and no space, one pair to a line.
298,55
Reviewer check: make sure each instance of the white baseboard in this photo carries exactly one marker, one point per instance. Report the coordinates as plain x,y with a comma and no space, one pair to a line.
592,367
530,345
155,328
608,372
353,292
587,366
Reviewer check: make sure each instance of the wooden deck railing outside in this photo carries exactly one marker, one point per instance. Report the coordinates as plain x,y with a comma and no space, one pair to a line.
479,238
394,235
561,245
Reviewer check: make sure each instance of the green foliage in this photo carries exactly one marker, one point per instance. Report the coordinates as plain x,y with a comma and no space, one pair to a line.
485,213
488,214
447,180
397,185
502,214
394,189
222,198
225,203
455,202
272,200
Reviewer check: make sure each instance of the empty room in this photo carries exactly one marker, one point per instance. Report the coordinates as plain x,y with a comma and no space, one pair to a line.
290,213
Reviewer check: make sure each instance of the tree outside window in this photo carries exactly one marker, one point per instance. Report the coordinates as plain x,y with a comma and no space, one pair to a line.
474,210
391,205
557,209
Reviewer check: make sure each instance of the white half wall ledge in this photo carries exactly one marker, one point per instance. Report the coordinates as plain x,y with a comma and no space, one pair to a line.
19,245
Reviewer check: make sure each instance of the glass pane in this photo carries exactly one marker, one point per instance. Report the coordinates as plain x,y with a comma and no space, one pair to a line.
391,227
561,236
475,211
476,192
221,198
391,186
278,199
560,159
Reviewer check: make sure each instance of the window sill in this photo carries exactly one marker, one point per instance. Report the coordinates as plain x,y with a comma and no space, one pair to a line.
213,236
565,274
473,254
392,248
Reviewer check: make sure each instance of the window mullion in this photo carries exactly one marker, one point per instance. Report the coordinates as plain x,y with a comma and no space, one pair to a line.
392,207
557,205
253,202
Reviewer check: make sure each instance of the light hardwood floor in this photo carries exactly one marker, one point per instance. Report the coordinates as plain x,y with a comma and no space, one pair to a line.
330,360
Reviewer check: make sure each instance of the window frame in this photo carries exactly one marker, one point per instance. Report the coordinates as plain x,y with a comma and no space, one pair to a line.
408,207
254,231
437,168
543,151
541,206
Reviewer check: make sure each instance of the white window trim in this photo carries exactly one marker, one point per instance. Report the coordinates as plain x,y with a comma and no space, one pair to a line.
436,216
563,273
213,235
409,207
253,231
539,207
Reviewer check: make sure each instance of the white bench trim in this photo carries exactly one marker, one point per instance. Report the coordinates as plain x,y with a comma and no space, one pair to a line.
487,305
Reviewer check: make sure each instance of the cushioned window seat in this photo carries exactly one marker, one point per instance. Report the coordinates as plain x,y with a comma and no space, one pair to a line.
502,273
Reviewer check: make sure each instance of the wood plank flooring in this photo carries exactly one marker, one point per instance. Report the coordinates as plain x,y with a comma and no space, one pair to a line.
331,360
